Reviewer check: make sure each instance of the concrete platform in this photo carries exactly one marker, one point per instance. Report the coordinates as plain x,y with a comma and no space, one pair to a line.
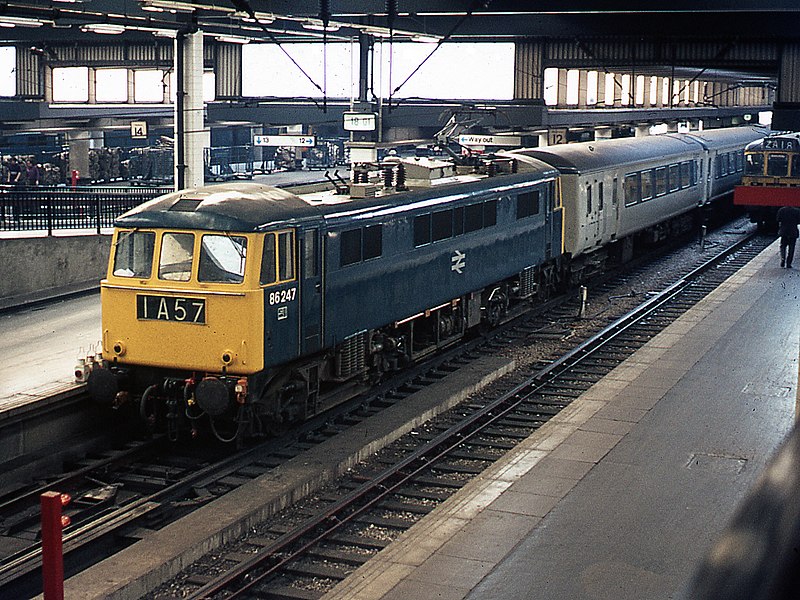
40,346
622,494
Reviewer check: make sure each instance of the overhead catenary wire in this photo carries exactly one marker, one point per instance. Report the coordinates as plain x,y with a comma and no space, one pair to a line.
244,5
473,6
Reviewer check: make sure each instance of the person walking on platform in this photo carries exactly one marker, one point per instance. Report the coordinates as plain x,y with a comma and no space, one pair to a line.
14,171
32,173
788,219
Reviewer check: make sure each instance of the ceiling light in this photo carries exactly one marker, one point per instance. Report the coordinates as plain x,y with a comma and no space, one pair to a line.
425,39
232,39
20,21
315,25
104,28
260,17
376,31
178,6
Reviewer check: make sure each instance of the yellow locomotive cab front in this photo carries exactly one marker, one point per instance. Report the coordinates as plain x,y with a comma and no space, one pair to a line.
184,301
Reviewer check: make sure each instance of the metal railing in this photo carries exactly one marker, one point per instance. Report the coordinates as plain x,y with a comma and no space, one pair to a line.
229,162
50,208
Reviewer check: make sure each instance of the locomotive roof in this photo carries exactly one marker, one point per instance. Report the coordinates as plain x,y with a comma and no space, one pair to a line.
248,206
593,156
235,206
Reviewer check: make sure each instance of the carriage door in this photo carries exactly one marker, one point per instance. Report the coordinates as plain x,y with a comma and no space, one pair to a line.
311,291
592,214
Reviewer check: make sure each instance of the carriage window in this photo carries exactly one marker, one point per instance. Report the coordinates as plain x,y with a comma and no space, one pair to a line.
777,164
631,189
422,230
647,185
269,272
589,199
350,247
528,204
373,241
285,256
133,254
739,161
674,178
442,225
754,164
661,181
490,213
600,196
795,165
177,251
222,258
473,217
686,174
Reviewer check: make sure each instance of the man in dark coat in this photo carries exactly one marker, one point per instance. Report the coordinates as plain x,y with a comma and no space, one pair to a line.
14,171
31,173
788,219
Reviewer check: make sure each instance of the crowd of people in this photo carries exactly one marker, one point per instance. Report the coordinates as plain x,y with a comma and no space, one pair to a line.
18,172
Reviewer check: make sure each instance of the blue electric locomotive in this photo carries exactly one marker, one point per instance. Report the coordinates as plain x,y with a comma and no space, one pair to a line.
245,304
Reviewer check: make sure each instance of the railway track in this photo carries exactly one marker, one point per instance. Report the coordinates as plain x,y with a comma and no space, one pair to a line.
139,487
410,478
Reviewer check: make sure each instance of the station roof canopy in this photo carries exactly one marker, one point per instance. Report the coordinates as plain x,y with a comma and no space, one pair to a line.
457,20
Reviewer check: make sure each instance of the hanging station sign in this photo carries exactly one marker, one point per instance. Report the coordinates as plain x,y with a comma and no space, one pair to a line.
285,140
354,121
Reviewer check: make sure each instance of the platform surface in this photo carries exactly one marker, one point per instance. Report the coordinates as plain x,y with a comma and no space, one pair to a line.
622,494
40,346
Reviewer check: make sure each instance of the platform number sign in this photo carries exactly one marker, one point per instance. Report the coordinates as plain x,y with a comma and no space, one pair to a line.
139,130
556,136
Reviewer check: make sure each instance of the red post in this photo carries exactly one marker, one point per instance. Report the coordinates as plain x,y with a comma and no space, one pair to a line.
52,556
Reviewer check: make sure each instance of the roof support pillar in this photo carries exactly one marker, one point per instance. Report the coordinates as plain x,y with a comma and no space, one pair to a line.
786,109
191,137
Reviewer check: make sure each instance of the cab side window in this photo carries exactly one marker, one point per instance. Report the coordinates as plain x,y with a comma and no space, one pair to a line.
269,268
286,256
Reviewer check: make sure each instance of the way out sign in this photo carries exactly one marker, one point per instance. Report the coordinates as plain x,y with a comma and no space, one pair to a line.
138,130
